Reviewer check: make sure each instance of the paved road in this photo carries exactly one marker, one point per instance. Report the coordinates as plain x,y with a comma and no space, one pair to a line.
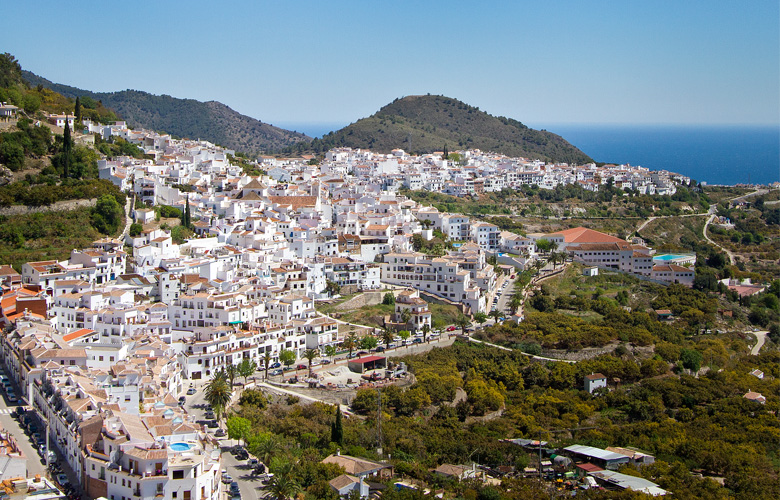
761,338
732,260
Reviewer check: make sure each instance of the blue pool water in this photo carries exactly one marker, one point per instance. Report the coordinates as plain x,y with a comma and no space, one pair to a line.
180,446
668,257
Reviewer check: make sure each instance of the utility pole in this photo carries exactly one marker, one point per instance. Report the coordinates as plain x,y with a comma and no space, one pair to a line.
379,421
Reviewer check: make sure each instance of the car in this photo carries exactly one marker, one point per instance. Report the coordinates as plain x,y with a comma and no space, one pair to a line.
234,488
237,496
301,367
325,361
451,328
212,424
182,400
417,341
512,277
276,365
62,479
380,349
362,353
278,371
191,391
219,433
11,397
209,415
226,478
242,455
236,449
252,462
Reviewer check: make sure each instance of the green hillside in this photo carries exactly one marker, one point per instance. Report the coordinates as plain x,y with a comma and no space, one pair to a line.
211,121
422,124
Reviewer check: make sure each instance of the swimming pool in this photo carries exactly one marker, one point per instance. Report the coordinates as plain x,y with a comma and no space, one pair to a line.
180,446
669,256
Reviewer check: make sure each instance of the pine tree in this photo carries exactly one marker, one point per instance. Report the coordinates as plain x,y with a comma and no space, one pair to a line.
187,215
336,430
445,152
67,149
77,111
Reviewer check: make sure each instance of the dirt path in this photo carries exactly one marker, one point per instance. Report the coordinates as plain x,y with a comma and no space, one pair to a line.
761,338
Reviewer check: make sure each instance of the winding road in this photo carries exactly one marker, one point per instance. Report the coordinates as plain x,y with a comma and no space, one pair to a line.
761,338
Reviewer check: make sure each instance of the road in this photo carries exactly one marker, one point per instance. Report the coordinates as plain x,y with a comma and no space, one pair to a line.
760,339
725,250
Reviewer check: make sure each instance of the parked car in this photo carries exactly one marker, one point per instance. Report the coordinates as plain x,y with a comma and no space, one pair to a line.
209,415
234,488
11,397
417,341
276,365
62,479
226,478
252,462
219,433
182,400
380,349
212,424
325,361
301,367
191,391
512,277
451,328
278,371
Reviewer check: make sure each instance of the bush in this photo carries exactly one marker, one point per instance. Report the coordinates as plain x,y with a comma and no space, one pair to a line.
389,299
135,229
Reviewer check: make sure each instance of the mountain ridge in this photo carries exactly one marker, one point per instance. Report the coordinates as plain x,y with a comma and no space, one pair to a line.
209,120
427,123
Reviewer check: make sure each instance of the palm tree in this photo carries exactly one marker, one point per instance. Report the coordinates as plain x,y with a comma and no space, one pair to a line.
426,329
218,393
230,372
495,314
284,487
387,337
350,342
515,303
406,315
266,362
463,322
310,354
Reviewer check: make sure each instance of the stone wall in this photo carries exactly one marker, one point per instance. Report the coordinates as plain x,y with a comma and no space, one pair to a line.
54,207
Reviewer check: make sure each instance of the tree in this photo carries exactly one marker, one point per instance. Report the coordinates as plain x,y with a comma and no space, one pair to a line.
463,322
495,314
337,430
388,299
246,368
691,359
332,288
350,342
67,150
77,110
404,334
185,214
218,393
368,342
480,317
406,315
387,337
238,427
426,329
266,362
310,354
545,245
136,229
107,214
287,357
230,372
284,487
330,351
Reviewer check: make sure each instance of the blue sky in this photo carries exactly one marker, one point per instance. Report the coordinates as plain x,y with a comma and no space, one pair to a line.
541,62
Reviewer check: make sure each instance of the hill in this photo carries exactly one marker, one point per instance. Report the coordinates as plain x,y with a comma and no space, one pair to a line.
212,120
422,124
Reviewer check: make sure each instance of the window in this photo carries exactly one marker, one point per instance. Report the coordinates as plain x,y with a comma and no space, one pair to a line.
178,474
187,495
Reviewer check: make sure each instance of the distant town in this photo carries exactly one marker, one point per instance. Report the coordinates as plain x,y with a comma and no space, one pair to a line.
109,343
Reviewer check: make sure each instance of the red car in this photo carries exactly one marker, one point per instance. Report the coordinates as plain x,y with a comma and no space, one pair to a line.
512,277
301,367
451,328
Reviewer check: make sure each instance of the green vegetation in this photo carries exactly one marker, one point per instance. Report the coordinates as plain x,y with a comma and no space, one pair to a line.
42,189
44,236
423,124
212,121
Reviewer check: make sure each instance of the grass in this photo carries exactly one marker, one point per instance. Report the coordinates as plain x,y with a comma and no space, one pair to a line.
674,233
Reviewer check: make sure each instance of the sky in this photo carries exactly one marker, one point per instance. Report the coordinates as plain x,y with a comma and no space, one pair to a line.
317,62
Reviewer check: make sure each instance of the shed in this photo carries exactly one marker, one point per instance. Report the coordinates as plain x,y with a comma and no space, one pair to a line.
597,456
595,381
359,365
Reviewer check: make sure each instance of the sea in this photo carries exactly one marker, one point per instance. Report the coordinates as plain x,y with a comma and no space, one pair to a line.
722,154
